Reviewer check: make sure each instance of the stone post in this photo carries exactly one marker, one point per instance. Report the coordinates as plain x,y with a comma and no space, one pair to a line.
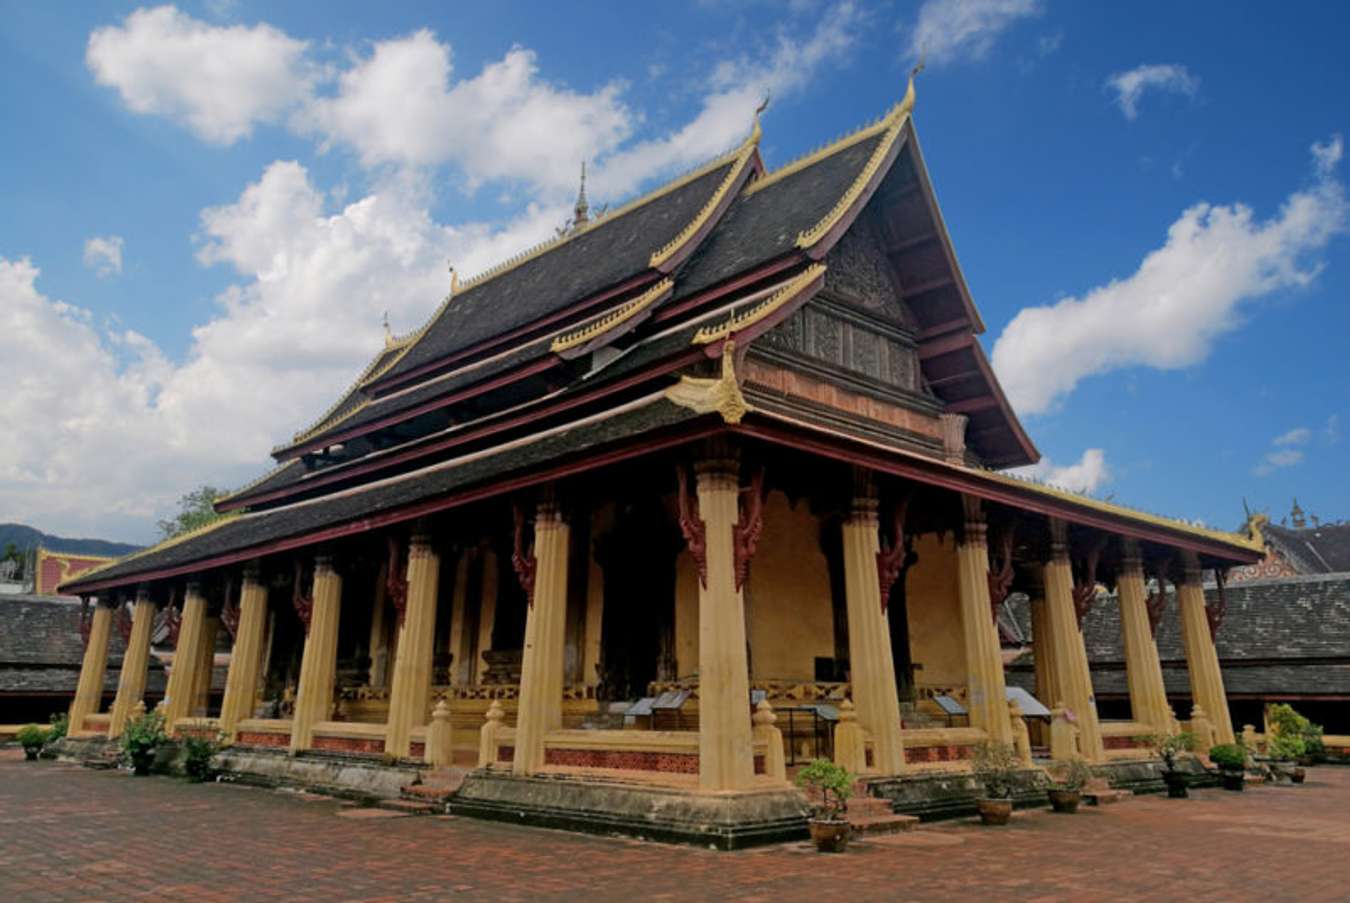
1073,679
1064,737
187,657
131,681
1202,728
1021,737
726,759
410,692
246,657
869,640
988,701
440,737
764,731
542,660
318,664
487,735
1202,659
1148,697
850,744
89,690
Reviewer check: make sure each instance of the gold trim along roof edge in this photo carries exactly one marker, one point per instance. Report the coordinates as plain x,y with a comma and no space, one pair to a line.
530,253
746,152
621,314
290,462
216,524
892,119
1157,520
368,374
739,321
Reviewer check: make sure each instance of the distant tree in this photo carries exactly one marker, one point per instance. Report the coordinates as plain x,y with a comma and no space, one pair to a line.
12,562
195,509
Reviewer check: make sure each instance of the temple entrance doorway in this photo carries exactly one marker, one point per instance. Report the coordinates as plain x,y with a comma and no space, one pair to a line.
637,634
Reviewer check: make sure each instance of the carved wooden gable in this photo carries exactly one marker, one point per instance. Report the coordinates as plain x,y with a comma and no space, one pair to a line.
860,275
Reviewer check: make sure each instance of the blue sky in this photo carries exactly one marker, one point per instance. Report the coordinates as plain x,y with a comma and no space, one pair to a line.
208,208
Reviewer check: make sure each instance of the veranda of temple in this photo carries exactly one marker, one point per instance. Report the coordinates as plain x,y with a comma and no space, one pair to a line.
734,446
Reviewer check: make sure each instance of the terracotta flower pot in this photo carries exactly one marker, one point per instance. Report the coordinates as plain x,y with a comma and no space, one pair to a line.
830,836
994,812
1065,801
1298,775
1176,785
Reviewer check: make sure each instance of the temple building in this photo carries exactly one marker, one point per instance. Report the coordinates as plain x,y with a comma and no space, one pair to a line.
639,519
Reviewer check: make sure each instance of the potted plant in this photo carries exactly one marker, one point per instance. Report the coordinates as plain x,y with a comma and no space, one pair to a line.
1284,749
141,740
834,784
1067,791
1170,748
995,766
1231,759
1291,736
197,753
31,737
60,725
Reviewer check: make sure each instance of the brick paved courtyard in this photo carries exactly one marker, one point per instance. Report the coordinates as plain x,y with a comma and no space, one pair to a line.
74,834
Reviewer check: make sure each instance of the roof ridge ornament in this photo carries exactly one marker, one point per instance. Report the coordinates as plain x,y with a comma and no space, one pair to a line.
581,213
753,314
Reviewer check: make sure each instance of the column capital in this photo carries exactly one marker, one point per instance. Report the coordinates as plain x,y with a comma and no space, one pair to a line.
1190,563
193,588
863,509
253,571
974,528
1059,541
1131,561
323,563
718,473
419,544
143,595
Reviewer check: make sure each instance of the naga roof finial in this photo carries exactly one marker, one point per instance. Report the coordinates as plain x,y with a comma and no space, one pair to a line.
454,279
581,214
755,130
907,102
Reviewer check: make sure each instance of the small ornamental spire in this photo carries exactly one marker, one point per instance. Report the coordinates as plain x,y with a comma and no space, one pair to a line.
581,214
907,102
756,131
454,279
388,333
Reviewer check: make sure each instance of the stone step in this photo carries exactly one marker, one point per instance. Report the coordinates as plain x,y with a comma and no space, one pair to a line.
1105,797
410,807
869,806
435,787
862,826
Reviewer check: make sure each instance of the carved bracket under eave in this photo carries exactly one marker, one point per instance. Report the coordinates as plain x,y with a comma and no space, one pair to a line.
722,395
692,526
229,611
396,579
749,526
124,622
1000,581
1085,591
302,602
523,560
1156,603
895,556
1214,611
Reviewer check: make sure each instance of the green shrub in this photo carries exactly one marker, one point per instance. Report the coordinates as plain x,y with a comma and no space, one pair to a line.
834,782
995,766
60,727
1228,756
197,753
1291,734
1170,747
141,739
31,737
1285,747
1073,775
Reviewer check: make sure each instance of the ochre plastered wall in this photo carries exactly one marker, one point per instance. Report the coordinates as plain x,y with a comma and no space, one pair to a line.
935,637
788,597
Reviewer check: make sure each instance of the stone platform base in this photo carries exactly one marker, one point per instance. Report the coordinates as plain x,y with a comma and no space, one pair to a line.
96,752
331,774
723,821
936,796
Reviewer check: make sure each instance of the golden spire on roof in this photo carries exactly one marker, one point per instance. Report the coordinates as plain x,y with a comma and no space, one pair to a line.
581,213
388,333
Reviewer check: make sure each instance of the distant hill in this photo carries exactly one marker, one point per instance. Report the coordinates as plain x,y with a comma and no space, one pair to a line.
26,537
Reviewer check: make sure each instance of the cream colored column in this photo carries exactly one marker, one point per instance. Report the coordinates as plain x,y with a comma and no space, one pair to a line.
459,605
988,701
318,665
246,657
1143,671
131,680
187,655
410,691
725,753
1043,651
1072,678
1202,659
201,690
89,690
542,661
869,640
379,632
487,612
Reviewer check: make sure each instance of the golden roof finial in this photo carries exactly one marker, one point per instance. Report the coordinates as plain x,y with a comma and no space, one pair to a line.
755,130
388,333
454,279
581,213
907,102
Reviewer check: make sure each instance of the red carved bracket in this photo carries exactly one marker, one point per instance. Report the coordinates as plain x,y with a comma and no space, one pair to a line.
172,621
749,526
1215,611
1000,581
304,604
86,620
523,560
124,623
1156,603
892,559
1085,592
229,612
692,527
396,579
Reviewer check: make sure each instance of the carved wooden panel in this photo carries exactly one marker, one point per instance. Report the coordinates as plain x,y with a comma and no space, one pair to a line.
820,334
792,382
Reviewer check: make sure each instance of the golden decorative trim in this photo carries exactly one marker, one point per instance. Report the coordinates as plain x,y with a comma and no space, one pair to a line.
370,372
172,541
743,157
738,321
723,395
259,481
621,314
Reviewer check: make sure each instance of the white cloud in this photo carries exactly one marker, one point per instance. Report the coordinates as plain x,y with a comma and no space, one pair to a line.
1130,85
103,255
1168,313
1277,460
1300,435
124,431
1085,475
949,31
1326,156
219,80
